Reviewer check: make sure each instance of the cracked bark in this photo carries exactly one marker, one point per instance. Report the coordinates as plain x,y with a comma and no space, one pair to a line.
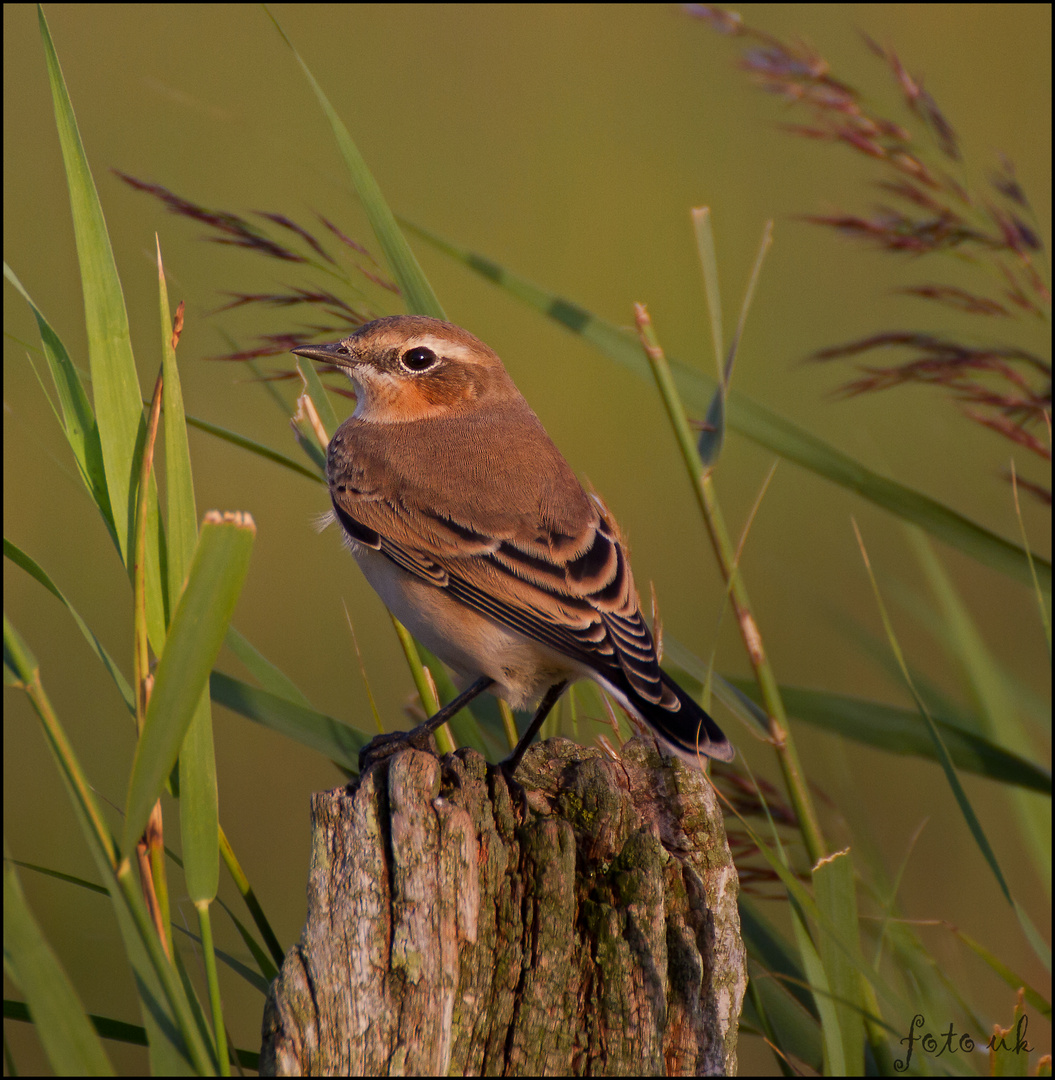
586,925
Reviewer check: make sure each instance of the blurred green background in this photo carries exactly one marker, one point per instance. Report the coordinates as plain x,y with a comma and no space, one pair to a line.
568,143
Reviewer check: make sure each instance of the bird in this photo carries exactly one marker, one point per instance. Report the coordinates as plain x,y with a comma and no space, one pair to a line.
473,529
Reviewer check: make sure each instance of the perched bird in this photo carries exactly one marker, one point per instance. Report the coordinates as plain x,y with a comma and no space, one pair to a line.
475,532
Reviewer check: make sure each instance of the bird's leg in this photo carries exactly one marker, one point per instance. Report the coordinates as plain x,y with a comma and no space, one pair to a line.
383,746
509,766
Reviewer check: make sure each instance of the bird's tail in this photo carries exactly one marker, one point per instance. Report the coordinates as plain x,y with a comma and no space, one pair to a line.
684,727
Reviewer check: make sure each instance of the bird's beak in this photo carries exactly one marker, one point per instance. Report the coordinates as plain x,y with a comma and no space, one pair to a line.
327,354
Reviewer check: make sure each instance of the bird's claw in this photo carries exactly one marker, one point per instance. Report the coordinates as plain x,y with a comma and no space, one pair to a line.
382,747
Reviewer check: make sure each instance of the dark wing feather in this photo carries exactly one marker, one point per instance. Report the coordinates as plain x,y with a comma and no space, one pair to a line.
584,606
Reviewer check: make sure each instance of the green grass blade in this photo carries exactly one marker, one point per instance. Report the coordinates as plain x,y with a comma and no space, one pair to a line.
701,223
78,419
270,961
182,516
208,948
749,295
317,731
833,881
108,1028
417,292
966,808
319,398
465,727
305,427
903,731
132,1034
805,906
1042,606
991,694
257,448
218,572
267,674
265,973
31,567
424,681
1013,978
766,946
885,727
65,1032
771,1013
173,1038
712,436
199,811
198,805
831,1037
115,383
58,875
767,428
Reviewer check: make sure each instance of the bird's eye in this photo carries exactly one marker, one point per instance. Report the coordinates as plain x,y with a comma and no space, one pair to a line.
419,359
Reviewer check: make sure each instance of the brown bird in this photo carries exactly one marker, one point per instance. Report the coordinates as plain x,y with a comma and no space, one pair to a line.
475,532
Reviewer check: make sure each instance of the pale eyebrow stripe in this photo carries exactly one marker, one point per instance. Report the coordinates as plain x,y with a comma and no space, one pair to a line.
446,347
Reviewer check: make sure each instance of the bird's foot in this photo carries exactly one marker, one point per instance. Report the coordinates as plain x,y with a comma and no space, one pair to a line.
382,747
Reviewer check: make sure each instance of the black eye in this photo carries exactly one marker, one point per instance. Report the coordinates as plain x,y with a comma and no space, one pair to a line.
419,359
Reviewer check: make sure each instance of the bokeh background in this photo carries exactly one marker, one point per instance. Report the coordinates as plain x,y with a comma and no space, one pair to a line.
569,143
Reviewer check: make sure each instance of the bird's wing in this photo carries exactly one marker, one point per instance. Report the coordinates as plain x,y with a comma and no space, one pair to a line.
572,593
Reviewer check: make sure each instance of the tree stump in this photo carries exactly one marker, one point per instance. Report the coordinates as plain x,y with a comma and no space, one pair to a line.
586,923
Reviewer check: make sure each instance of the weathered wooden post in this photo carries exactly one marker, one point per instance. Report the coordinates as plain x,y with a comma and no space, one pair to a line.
457,924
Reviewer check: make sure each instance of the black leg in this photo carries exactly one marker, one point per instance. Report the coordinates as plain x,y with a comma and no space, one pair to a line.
455,705
510,764
383,746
